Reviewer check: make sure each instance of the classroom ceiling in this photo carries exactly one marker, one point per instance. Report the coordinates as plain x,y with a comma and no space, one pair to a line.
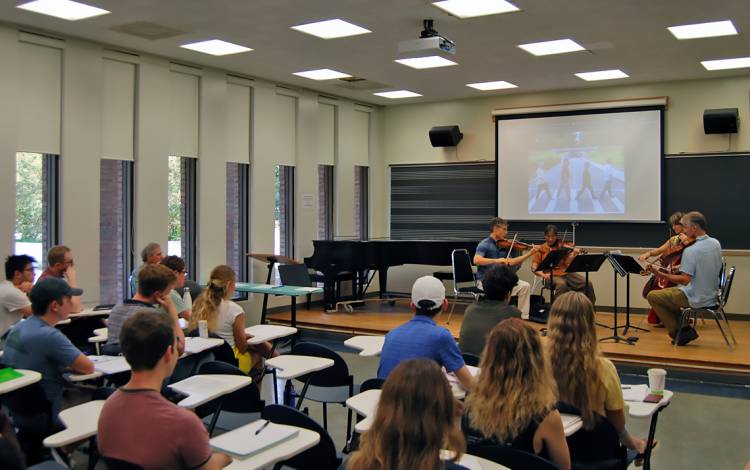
630,35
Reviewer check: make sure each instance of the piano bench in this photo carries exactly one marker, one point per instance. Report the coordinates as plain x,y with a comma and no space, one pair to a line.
443,275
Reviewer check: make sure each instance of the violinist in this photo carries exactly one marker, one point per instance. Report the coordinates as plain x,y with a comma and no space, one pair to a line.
495,250
669,255
564,281
697,280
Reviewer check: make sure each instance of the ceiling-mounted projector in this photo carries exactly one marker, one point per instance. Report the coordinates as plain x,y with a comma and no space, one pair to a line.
430,42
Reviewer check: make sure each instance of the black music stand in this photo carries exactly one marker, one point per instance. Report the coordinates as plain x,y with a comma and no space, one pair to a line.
631,266
617,269
549,263
586,264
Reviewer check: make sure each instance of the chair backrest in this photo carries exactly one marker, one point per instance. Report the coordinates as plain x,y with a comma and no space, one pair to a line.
320,457
117,464
598,447
31,404
371,384
294,275
512,458
245,400
462,271
335,376
471,359
726,287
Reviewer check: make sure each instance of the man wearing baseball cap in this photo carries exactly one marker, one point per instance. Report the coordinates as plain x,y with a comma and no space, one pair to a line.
421,337
36,344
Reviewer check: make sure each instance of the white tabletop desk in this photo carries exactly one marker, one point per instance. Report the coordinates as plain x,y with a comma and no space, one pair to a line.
263,333
103,365
364,404
369,346
640,409
204,388
472,462
456,388
195,345
90,312
100,336
278,453
29,377
290,366
80,423
571,424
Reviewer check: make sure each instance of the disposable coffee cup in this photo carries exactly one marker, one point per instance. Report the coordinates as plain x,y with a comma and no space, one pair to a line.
203,329
656,380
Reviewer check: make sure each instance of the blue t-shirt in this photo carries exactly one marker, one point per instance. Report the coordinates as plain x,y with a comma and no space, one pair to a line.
487,248
35,345
420,337
702,261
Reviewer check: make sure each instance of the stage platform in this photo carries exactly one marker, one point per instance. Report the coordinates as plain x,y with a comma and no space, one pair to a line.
709,353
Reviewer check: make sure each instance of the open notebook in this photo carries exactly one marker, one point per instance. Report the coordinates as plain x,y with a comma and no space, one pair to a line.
243,442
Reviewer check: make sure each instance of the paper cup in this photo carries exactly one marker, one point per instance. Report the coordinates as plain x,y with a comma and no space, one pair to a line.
203,329
657,379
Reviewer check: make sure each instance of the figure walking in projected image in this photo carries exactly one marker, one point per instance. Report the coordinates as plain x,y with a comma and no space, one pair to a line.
586,182
541,183
564,180
607,176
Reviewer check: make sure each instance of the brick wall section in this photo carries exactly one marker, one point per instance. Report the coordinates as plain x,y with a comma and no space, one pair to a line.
234,232
111,232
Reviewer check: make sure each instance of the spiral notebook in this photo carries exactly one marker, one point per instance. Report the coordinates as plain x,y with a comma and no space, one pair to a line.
243,442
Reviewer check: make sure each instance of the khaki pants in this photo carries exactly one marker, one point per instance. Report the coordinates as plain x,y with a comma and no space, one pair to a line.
667,303
573,281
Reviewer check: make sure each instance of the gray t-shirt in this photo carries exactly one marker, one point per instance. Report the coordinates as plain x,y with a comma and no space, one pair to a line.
119,314
479,320
12,301
702,261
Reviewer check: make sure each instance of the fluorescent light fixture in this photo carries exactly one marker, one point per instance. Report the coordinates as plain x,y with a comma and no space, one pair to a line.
216,47
559,46
65,9
321,74
331,29
486,86
703,30
602,75
472,8
426,62
397,94
726,64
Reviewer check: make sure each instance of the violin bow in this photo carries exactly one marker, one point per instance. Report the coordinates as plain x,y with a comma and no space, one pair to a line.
512,242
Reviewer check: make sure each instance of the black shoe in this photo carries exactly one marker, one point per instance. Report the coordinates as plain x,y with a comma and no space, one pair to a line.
687,335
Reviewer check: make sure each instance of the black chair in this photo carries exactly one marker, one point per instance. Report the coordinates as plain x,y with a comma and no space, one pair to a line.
117,464
245,400
471,359
463,273
337,376
371,384
512,458
320,457
717,311
596,448
33,418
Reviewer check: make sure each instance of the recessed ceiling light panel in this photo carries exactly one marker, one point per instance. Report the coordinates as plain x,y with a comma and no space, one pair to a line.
602,75
559,46
726,64
397,94
216,47
331,29
65,9
703,30
321,74
426,62
471,8
486,86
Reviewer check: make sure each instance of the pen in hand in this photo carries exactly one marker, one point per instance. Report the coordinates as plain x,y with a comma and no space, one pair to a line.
262,427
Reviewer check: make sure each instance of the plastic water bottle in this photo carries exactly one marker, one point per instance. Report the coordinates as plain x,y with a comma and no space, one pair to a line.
187,299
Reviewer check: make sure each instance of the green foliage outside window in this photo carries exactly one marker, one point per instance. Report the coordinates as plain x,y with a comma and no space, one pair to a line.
29,197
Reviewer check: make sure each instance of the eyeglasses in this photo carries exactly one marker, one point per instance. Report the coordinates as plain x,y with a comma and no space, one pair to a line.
29,270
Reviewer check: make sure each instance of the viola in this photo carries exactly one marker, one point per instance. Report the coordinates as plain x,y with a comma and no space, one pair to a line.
674,250
505,243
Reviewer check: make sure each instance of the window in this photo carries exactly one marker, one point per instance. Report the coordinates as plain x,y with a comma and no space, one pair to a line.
36,205
361,202
115,229
325,202
183,210
238,221
284,211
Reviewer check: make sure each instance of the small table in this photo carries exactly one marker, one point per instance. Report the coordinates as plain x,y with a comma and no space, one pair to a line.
291,366
571,424
100,336
291,291
472,462
80,423
369,345
203,388
305,439
103,365
263,333
640,409
28,377
90,312
196,345
364,404
456,387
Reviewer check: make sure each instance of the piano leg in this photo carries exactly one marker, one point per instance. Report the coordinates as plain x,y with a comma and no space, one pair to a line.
383,280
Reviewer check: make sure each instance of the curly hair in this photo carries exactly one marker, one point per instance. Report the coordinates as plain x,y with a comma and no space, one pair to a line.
515,386
206,306
574,351
414,420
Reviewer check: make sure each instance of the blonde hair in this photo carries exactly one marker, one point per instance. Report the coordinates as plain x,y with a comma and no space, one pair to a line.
515,386
414,420
574,351
206,306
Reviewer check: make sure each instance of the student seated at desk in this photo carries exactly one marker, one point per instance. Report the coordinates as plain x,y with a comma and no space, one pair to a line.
415,419
36,344
585,378
226,319
137,424
421,337
14,303
154,288
513,403
177,265
60,265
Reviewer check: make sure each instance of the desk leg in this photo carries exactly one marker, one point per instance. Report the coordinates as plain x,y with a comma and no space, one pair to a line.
650,440
302,395
93,453
294,312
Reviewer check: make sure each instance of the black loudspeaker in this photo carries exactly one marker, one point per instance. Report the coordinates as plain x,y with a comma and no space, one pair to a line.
720,121
445,136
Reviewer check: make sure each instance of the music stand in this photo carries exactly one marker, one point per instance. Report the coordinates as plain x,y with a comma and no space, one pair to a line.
631,266
586,264
549,263
616,269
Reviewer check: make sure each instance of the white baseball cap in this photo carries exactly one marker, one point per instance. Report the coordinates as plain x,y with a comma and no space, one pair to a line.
428,288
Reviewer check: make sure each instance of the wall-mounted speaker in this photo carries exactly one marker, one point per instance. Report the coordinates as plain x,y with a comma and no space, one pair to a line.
445,136
720,121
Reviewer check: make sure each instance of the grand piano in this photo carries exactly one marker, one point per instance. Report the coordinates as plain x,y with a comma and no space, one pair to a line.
334,257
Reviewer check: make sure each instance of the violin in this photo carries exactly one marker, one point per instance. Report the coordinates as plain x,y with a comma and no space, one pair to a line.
505,243
673,250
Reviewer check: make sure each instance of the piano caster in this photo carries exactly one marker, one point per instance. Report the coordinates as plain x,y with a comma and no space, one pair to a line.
392,303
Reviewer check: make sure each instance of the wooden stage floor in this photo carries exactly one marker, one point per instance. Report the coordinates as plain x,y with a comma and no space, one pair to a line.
709,353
